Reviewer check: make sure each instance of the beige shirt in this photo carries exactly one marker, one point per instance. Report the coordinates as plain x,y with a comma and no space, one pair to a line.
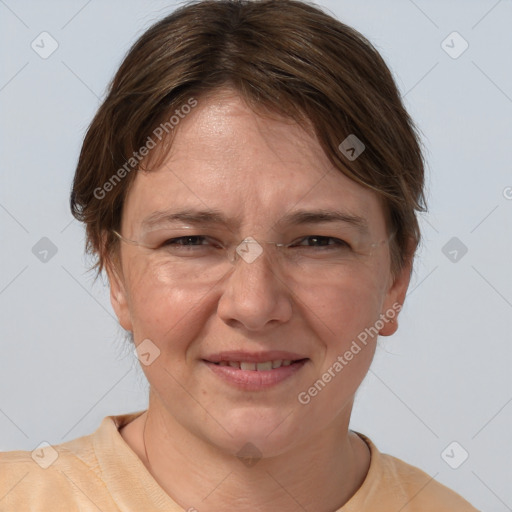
100,472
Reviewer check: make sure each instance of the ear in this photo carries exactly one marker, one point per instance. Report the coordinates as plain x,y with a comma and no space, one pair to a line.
118,293
395,296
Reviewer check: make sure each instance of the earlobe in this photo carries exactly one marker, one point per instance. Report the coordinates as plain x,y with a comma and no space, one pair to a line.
396,294
394,302
390,325
118,295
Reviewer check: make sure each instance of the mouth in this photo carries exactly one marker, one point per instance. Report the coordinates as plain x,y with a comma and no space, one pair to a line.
259,367
255,373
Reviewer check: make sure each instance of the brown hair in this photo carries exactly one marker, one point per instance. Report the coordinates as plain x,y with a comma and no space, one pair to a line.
282,56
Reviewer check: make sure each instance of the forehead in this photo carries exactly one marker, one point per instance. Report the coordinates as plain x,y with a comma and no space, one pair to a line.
226,157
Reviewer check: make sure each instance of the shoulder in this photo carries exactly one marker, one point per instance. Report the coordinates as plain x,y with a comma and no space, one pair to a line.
25,485
421,489
400,484
58,477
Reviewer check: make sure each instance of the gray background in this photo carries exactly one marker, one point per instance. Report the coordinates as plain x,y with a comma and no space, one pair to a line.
444,377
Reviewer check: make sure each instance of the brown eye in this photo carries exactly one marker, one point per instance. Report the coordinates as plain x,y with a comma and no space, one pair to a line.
188,241
323,241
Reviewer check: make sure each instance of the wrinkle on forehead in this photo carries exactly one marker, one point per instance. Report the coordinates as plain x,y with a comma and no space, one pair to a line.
225,156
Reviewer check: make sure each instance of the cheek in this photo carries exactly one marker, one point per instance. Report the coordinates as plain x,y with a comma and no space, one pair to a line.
341,315
163,310
345,307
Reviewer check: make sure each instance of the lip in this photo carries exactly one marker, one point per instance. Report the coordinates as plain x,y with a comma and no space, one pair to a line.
255,380
253,357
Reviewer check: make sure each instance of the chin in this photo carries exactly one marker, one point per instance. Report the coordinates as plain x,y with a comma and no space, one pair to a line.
267,431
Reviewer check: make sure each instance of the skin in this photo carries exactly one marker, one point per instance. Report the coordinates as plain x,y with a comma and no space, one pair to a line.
196,423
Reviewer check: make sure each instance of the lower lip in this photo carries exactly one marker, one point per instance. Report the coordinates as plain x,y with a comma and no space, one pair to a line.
255,380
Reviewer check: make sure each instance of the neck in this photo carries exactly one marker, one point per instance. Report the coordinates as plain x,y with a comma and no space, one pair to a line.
321,474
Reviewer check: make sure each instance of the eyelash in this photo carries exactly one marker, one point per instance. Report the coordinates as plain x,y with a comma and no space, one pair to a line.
338,243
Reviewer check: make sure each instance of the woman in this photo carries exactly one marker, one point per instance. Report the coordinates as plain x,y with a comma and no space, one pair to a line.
250,186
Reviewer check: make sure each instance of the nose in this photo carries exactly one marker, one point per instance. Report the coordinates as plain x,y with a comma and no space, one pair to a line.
254,294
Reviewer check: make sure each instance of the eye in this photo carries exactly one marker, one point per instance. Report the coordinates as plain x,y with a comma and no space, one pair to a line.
186,241
323,241
190,244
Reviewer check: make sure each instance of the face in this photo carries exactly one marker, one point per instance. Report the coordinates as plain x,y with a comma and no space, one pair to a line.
256,172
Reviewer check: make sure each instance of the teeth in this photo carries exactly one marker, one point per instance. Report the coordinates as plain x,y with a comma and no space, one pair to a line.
265,366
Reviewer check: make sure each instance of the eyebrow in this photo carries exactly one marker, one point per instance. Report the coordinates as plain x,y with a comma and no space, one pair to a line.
216,217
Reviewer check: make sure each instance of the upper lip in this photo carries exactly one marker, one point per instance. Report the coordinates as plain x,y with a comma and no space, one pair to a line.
253,357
